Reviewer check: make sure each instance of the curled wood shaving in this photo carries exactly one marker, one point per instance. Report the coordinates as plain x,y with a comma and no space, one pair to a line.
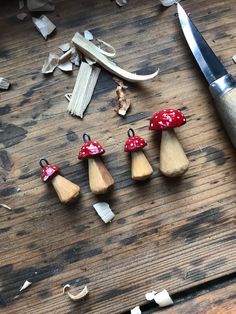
106,53
5,206
44,25
234,58
136,310
124,103
76,297
121,3
40,5
50,63
4,83
83,90
21,16
25,285
88,35
64,47
104,211
91,50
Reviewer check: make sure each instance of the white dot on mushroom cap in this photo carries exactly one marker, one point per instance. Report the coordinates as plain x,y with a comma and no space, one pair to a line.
136,141
131,144
151,124
178,117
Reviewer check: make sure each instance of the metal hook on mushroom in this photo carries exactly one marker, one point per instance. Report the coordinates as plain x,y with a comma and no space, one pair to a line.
66,190
140,166
173,160
100,179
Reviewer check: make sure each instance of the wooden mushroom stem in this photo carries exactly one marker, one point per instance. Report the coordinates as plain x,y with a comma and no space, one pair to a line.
66,190
100,179
173,160
140,166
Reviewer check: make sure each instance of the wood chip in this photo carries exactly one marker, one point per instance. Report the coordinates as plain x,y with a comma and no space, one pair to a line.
44,25
89,61
83,89
66,67
21,16
5,206
64,47
121,3
40,5
150,295
75,297
4,83
88,35
234,58
21,4
163,298
68,96
50,63
104,211
124,103
168,3
90,50
136,310
25,285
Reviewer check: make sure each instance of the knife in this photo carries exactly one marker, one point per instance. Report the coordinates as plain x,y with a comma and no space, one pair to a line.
221,84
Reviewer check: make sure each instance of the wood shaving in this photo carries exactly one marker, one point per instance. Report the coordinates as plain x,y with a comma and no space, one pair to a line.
88,35
168,3
50,63
66,56
234,58
75,297
4,83
150,295
121,3
106,53
124,103
64,47
44,25
40,5
163,298
66,67
21,4
25,285
83,89
75,60
5,206
21,16
136,310
68,96
104,211
89,61
91,50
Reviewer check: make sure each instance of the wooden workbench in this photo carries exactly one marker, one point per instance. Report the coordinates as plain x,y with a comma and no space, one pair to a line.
173,234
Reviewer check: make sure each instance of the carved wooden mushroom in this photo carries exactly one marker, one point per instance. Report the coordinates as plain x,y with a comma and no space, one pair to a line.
173,160
140,166
100,180
66,190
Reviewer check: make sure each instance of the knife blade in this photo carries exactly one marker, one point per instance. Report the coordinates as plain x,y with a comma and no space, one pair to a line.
221,84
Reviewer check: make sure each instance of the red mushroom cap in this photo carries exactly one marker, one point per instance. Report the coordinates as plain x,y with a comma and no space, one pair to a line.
91,149
134,143
166,119
48,172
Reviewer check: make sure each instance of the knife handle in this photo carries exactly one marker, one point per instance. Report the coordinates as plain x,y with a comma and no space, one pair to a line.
225,101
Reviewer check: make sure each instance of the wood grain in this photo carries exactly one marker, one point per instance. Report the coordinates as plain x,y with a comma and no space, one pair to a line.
172,234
